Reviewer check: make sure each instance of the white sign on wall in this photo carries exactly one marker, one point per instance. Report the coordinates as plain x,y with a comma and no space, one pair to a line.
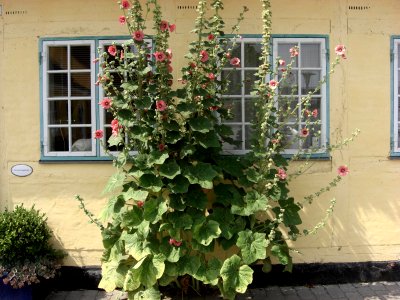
21,170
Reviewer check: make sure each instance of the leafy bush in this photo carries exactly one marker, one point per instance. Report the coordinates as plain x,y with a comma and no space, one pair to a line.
25,251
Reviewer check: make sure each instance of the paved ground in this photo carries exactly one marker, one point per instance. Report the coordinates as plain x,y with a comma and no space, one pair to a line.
355,291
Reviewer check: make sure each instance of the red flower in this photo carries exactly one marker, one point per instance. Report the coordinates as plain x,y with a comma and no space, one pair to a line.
340,50
161,105
169,53
105,103
203,55
172,27
98,134
273,84
112,50
125,4
138,35
235,62
304,132
343,170
281,174
174,242
160,56
294,51
213,108
211,37
122,20
163,25
140,204
211,76
282,62
161,147
315,113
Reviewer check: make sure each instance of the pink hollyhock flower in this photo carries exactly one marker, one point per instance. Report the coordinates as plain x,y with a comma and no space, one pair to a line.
228,55
282,62
98,134
170,69
211,37
304,132
105,103
169,53
211,76
160,56
161,147
112,50
140,204
343,170
163,25
281,174
138,35
114,124
174,242
340,50
122,20
96,60
203,55
315,113
273,84
294,52
275,141
213,108
172,27
122,55
125,4
161,105
235,62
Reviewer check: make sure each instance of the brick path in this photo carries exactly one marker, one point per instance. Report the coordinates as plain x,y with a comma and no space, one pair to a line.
355,291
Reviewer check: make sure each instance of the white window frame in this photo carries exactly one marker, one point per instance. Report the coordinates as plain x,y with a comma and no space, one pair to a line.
46,98
323,69
396,95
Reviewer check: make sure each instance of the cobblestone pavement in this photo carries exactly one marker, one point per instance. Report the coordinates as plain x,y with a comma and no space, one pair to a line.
350,291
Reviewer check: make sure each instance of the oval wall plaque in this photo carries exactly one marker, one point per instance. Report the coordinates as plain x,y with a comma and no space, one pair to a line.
21,170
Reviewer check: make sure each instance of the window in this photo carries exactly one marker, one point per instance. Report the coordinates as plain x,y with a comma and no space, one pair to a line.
70,110
395,131
308,69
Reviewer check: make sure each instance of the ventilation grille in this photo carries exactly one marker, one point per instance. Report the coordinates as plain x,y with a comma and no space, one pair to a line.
16,12
187,7
359,7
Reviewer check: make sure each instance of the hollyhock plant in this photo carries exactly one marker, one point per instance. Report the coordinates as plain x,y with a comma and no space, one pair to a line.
343,170
176,195
105,103
138,35
203,56
122,20
340,50
235,62
98,134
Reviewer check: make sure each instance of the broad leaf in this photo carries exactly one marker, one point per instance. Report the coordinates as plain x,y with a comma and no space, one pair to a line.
253,245
201,124
209,273
131,193
206,231
236,276
179,185
136,245
207,140
151,182
253,202
113,275
115,181
148,294
148,270
112,207
169,170
201,173
188,265
154,209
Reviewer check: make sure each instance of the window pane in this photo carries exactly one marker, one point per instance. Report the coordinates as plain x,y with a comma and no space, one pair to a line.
289,85
249,110
310,55
235,104
81,139
58,139
81,112
58,58
235,82
248,136
283,53
290,137
108,116
289,110
237,136
58,112
309,81
313,140
398,83
80,57
249,78
80,84
58,85
398,56
252,52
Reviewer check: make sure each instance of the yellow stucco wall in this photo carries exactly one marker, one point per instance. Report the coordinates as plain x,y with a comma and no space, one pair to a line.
365,223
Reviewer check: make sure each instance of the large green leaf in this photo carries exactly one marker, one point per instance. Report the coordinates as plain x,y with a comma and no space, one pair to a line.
201,173
236,276
291,214
151,182
253,245
188,265
206,231
180,220
154,209
115,140
253,202
207,140
134,194
231,165
228,194
201,124
209,273
132,217
228,224
112,207
172,254
282,253
113,275
157,157
179,184
115,181
148,270
170,169
136,244
148,294
196,198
